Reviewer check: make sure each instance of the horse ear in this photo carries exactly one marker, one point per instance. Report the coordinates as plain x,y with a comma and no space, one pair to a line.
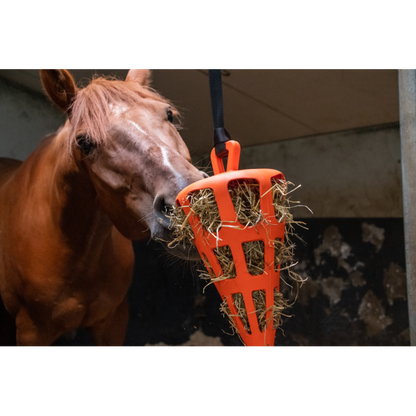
60,87
142,76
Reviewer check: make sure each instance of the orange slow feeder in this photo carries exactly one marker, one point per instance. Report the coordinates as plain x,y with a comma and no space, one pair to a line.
235,235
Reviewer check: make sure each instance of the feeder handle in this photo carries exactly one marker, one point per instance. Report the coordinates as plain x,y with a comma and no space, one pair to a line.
233,150
221,135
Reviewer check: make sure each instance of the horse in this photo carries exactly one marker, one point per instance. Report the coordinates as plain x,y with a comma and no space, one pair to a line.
69,212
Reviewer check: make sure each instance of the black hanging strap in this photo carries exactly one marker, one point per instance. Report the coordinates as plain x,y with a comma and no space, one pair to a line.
220,134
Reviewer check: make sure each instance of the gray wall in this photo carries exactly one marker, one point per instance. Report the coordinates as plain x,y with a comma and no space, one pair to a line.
353,174
25,118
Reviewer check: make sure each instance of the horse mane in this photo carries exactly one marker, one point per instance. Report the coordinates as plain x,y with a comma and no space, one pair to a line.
92,106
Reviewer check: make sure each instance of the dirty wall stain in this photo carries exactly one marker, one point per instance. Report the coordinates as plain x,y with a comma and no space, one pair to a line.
356,291
373,235
394,283
372,312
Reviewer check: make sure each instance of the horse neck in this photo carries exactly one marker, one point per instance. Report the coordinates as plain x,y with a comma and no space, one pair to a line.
69,193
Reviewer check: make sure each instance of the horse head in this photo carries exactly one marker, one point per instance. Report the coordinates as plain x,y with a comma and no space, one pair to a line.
122,134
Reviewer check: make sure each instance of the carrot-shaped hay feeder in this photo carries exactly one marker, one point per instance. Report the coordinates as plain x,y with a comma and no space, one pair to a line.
233,237
238,220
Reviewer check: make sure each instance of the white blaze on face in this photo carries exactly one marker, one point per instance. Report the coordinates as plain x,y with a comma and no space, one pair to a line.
137,127
179,178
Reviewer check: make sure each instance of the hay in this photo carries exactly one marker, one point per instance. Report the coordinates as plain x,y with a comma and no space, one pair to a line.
204,205
254,255
181,229
246,197
259,300
246,200
225,260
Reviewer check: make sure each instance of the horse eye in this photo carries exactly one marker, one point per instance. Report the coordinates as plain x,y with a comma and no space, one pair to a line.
85,144
170,116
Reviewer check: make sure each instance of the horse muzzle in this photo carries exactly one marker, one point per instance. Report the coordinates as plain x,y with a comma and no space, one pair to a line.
161,232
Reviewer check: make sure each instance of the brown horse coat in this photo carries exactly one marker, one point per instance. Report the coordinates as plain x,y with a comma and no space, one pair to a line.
68,213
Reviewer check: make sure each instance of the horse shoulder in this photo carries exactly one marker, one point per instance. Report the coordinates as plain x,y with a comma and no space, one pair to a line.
111,278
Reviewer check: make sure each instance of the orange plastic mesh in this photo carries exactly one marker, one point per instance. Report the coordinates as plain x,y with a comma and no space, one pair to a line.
233,234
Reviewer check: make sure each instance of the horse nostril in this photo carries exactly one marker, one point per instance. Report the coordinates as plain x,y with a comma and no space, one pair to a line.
161,210
205,175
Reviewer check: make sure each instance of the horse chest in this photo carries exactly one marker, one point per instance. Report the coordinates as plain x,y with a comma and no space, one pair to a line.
83,309
68,313
98,309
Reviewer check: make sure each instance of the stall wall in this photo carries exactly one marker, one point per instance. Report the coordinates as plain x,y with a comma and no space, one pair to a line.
352,254
351,174
25,118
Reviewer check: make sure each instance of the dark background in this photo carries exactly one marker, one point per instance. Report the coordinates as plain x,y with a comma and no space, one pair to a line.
167,303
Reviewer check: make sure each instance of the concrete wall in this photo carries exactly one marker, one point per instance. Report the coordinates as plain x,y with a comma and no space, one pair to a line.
25,118
353,174
349,174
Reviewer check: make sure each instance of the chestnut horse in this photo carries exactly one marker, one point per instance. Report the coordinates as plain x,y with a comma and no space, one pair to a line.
68,213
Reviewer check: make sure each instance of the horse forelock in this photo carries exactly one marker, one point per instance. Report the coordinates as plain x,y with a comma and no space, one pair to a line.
93,105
